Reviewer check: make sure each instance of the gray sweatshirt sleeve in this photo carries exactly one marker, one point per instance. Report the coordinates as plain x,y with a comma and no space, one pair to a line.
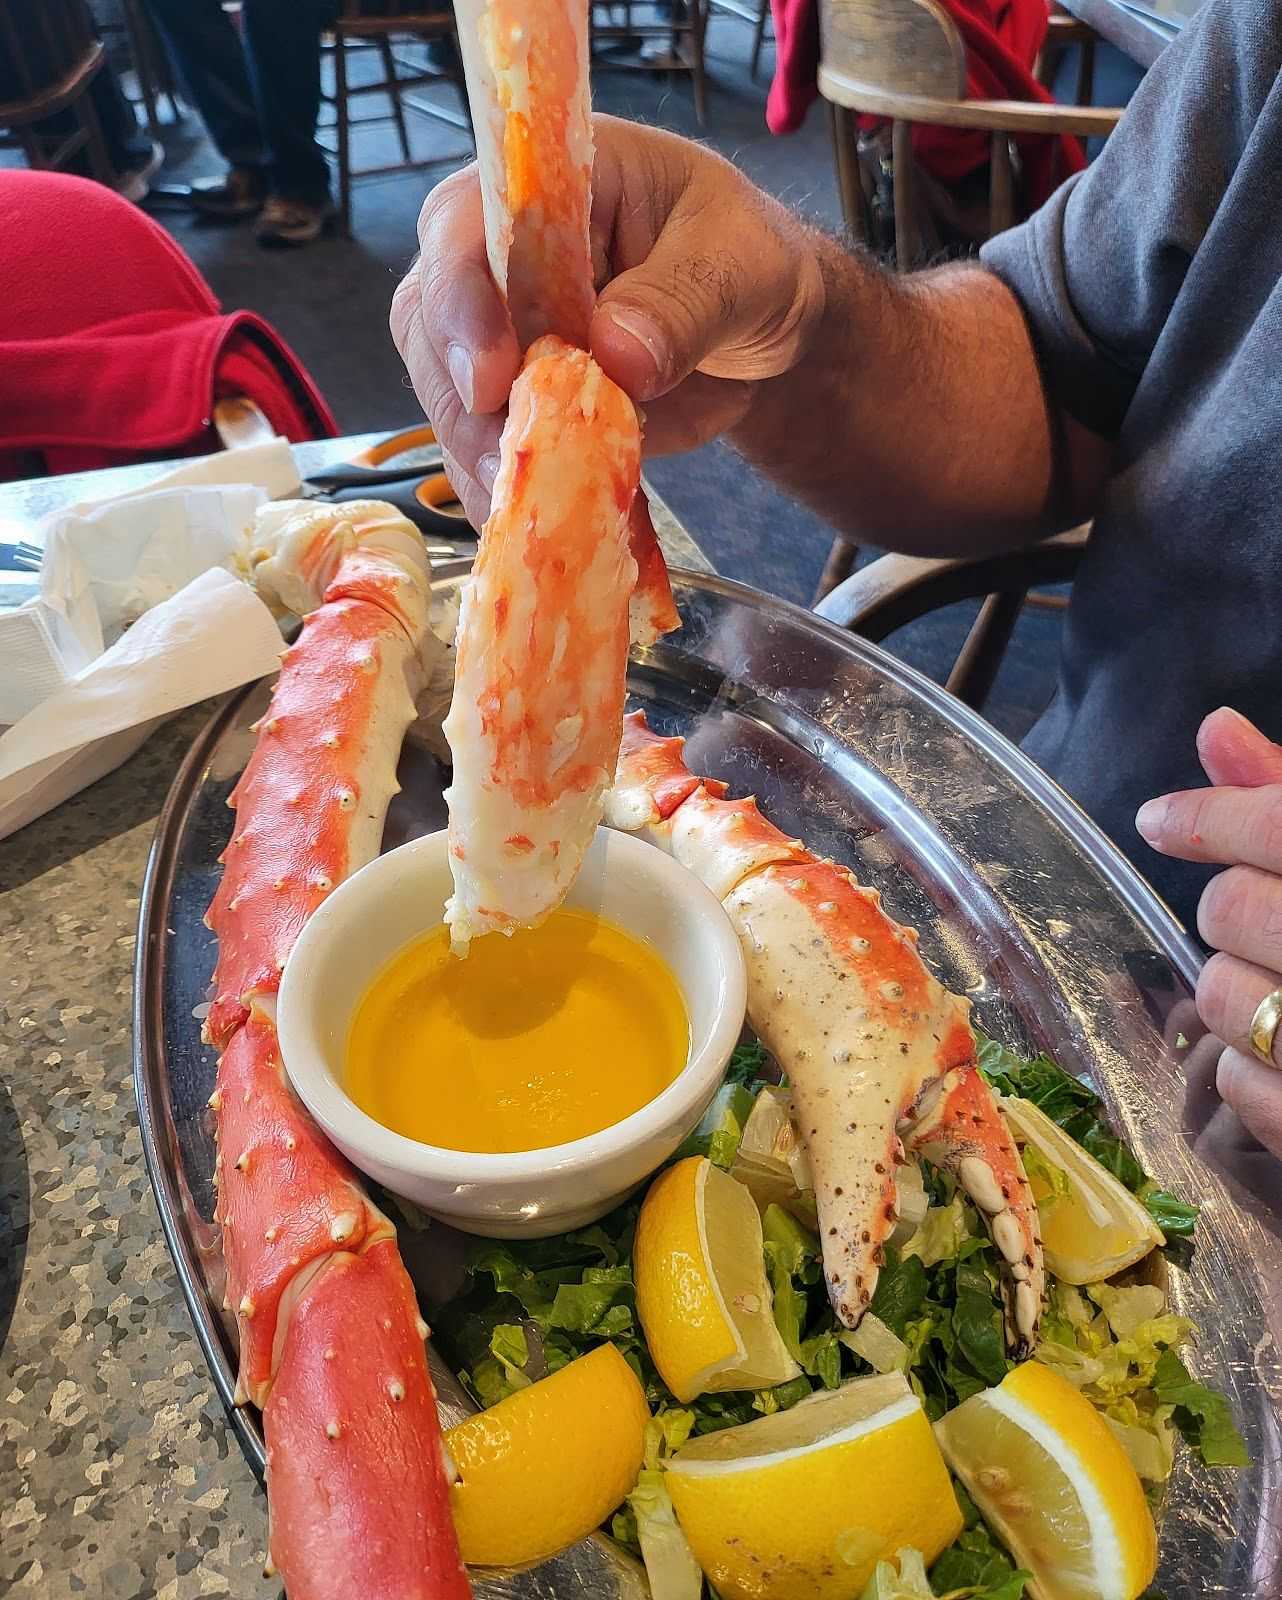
1100,268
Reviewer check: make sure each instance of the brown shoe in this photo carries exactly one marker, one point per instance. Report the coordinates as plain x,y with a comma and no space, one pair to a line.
283,223
240,193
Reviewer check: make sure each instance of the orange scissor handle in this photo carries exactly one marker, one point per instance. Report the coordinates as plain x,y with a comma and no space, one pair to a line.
437,494
386,449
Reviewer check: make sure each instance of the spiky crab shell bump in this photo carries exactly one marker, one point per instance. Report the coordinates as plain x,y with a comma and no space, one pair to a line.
286,1198
355,1469
311,800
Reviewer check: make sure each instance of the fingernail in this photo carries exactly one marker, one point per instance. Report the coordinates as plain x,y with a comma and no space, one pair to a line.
647,333
1149,820
460,365
487,469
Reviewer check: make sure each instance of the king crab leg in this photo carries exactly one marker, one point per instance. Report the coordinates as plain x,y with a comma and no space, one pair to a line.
330,1339
880,1056
569,566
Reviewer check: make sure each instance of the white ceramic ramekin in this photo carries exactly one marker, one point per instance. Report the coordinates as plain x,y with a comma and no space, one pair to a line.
400,896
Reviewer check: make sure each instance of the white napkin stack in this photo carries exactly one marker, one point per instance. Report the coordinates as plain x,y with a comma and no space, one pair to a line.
138,615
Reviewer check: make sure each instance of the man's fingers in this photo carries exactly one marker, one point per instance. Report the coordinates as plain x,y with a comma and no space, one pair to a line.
1240,912
696,411
462,314
1234,751
709,273
1228,992
472,488
466,438
1255,1093
1233,826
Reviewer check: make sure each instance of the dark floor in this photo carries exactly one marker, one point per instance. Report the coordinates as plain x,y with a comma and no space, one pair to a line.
330,301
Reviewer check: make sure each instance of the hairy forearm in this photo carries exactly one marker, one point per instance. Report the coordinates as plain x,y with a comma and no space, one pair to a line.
917,419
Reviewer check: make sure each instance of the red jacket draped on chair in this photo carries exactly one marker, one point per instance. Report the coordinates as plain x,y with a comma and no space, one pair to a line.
1002,39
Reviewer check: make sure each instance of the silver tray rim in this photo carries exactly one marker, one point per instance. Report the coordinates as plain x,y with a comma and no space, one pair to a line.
149,1066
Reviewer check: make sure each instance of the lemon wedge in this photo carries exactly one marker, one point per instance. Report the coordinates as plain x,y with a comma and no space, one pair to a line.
802,1504
1055,1486
541,1469
1095,1226
702,1294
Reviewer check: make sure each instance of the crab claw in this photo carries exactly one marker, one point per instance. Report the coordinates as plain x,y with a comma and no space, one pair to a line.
956,1125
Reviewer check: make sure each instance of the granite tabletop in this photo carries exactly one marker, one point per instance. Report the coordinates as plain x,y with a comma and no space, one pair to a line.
118,1476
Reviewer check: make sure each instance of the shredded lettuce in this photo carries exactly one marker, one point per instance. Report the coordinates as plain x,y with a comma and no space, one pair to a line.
942,1233
878,1345
904,1578
721,1127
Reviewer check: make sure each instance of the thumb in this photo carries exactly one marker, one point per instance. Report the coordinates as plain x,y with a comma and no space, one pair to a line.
731,287
1234,753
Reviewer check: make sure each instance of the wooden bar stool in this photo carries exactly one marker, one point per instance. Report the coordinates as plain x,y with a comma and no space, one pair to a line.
49,57
903,60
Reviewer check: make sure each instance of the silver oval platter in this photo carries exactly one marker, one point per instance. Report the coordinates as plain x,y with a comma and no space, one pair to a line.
1021,904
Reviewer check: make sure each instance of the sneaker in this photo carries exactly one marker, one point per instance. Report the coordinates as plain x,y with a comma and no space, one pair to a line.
284,222
240,192
134,182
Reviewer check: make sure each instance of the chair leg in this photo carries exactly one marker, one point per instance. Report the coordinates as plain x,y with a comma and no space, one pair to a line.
699,20
979,659
842,125
134,28
842,556
341,111
1001,185
394,95
901,148
758,35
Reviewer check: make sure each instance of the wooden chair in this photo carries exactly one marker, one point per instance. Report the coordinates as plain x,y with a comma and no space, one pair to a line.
903,60
618,39
378,25
895,590
49,57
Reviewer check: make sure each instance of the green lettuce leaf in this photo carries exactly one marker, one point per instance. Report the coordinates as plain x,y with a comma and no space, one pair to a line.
1176,1218
1201,1414
670,1566
721,1127
748,1063
900,1292
942,1232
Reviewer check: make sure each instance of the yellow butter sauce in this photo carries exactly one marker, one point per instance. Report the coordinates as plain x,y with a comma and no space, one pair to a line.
550,1035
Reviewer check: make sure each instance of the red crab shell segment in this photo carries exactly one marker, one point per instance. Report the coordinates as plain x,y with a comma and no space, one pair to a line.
355,1472
652,611
311,801
723,841
651,779
286,1198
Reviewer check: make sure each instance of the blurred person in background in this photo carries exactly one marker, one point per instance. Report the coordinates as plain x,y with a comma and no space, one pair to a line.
257,87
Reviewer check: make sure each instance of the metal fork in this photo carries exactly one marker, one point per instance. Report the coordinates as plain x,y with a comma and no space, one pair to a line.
21,557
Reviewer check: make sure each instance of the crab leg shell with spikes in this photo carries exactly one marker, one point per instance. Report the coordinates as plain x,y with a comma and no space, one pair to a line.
331,1342
877,1051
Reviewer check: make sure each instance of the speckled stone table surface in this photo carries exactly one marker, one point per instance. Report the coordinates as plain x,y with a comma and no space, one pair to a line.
118,1477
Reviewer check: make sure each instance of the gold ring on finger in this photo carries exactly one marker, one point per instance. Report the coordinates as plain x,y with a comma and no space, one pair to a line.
1265,1024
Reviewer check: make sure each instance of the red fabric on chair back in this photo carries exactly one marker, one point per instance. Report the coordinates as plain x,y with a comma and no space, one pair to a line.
1002,39
113,348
